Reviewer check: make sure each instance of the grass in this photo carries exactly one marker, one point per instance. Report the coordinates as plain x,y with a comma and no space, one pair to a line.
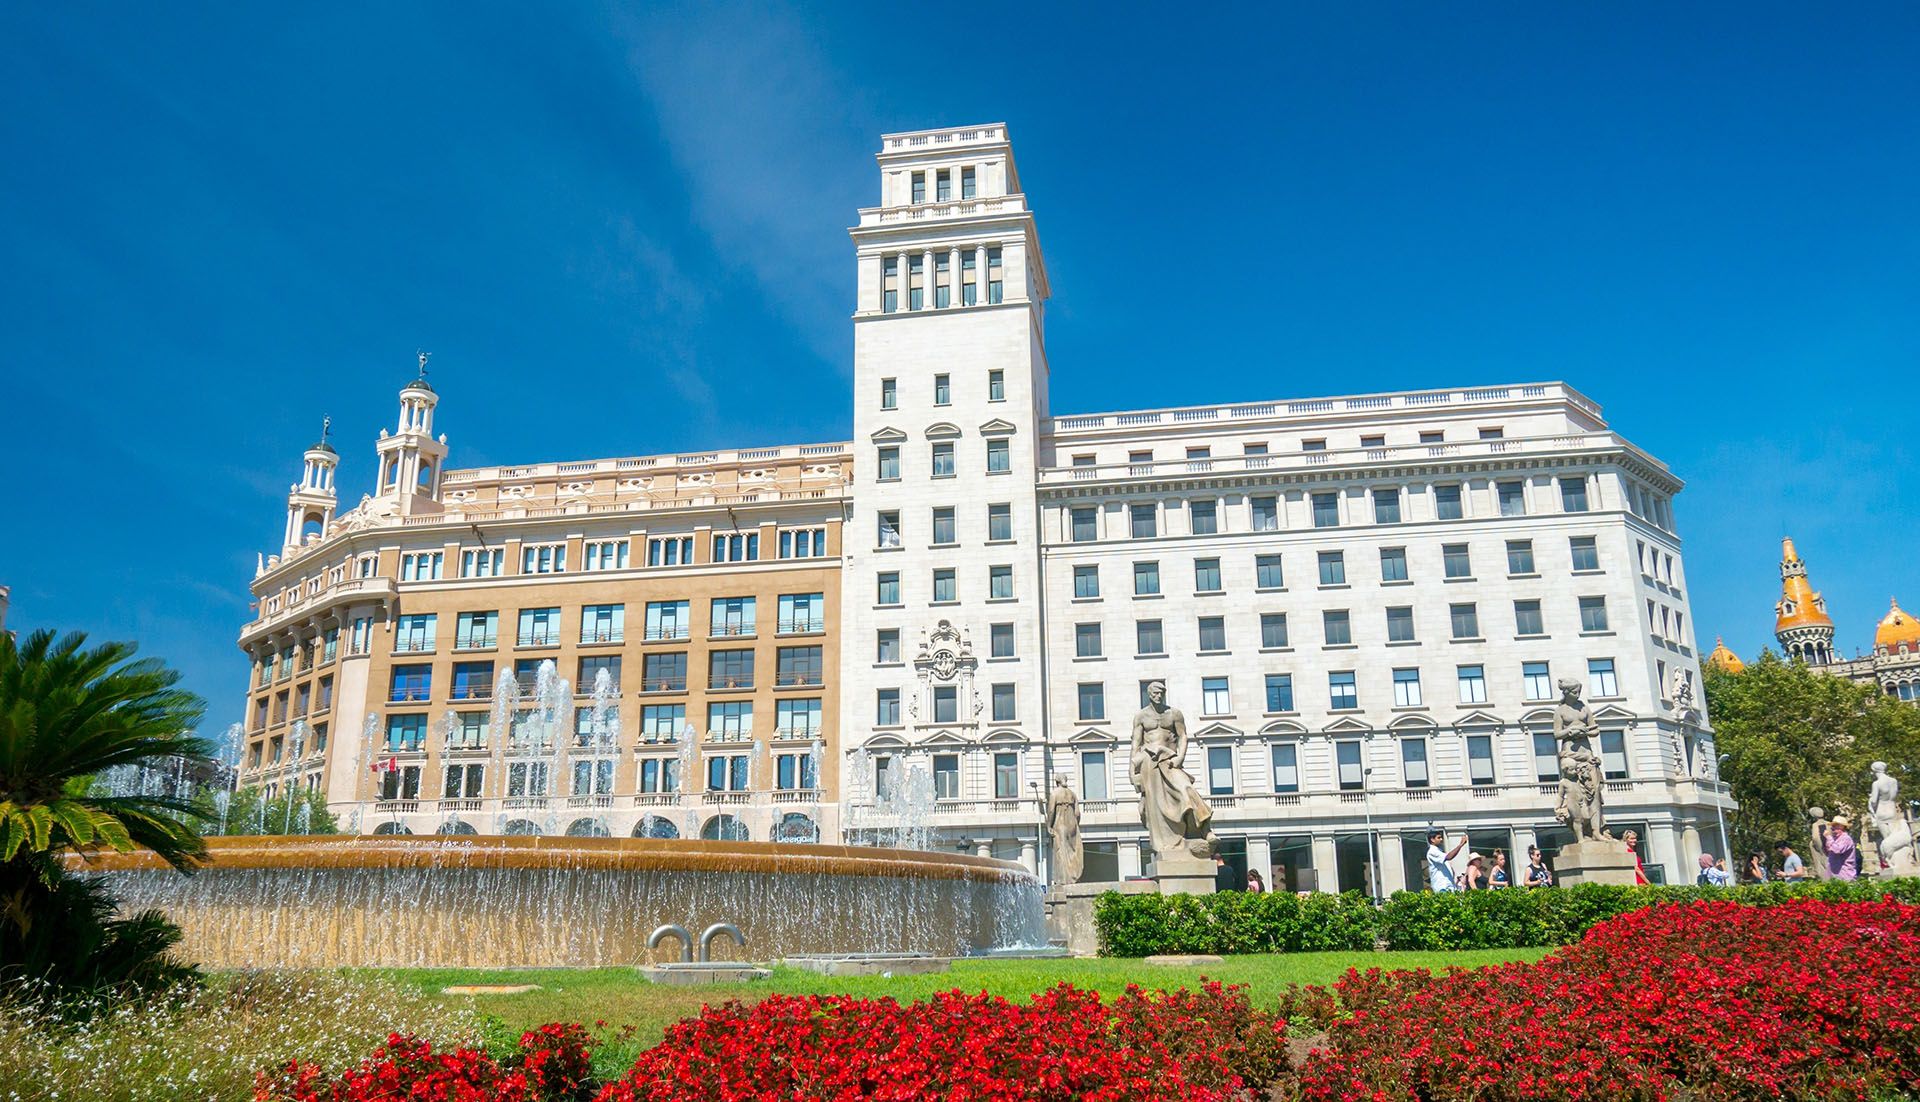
619,997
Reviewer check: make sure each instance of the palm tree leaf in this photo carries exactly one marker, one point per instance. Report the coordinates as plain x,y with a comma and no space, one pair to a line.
13,832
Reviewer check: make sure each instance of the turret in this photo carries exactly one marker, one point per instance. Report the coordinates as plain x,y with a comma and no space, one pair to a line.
311,502
409,457
1802,625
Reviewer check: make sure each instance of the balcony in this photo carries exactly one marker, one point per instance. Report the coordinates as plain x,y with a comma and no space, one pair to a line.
667,633
657,799
592,636
413,646
798,734
479,691
395,807
798,681
539,639
734,631
408,694
797,796
663,685
589,801
726,799
802,627
730,682
477,642
524,803
448,806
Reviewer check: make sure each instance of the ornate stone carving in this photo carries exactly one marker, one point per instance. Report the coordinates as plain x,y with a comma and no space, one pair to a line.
1890,822
945,654
1063,828
1580,771
1179,823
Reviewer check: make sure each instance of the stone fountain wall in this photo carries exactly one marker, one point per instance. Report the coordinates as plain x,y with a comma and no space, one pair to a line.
568,902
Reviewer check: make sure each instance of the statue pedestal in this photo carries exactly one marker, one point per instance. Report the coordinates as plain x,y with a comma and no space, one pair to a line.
1595,861
1184,875
1070,912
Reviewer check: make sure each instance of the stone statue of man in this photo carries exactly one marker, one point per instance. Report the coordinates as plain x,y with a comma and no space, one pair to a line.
1179,823
1890,820
1817,823
1580,776
1063,828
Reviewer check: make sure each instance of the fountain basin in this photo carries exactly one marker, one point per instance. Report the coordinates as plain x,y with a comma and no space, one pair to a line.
463,901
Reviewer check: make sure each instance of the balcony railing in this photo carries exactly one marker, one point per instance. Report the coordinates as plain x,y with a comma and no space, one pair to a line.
459,805
603,635
413,646
589,801
667,632
732,799
524,803
734,681
802,627
734,631
539,638
663,685
410,694
798,680
396,807
656,799
797,734
477,642
480,691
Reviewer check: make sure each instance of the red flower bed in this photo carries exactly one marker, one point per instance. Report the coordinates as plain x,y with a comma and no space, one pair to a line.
1206,1046
550,1065
1707,1001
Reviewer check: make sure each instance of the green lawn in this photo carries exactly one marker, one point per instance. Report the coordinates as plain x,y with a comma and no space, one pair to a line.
621,998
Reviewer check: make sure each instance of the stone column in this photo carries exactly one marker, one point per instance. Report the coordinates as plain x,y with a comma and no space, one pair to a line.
1663,849
983,849
1030,857
1522,838
980,274
1393,871
953,276
1326,865
926,279
1130,859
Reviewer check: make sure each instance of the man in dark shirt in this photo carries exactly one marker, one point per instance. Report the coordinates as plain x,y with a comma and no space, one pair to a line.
1224,878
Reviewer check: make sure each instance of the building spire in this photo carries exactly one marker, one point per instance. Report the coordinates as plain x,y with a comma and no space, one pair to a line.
1801,623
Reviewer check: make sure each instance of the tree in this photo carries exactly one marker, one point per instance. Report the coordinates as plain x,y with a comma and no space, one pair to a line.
69,713
1796,738
249,813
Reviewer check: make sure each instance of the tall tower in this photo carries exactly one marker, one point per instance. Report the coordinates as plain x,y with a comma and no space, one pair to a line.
942,605
410,458
1803,627
313,500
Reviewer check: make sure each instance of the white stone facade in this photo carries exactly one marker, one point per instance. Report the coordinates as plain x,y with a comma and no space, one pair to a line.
1560,521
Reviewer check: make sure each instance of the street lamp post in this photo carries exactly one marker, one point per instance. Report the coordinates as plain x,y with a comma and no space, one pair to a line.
1040,832
1719,808
1373,841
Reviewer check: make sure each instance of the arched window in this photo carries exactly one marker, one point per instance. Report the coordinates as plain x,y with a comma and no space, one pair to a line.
520,826
391,828
655,826
456,827
724,828
424,482
588,828
795,827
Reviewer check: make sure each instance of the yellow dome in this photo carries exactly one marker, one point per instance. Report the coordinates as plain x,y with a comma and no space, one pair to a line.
1723,658
1800,606
1898,627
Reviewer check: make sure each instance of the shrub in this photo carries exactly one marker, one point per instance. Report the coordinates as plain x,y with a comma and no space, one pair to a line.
1232,922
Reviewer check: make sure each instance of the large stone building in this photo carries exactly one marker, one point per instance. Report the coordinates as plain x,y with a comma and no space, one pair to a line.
1362,604
1805,633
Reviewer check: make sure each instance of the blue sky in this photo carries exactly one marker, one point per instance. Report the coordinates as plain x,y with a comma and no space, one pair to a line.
622,230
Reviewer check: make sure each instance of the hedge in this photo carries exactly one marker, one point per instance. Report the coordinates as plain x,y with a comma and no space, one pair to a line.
1508,918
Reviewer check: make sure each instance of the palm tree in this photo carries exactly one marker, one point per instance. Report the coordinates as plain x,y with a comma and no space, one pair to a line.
68,712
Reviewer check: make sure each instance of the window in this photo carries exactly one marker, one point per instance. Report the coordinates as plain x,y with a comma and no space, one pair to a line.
946,704
1600,678
1286,768
1215,700
668,620
670,551
1341,691
1413,762
1446,503
1406,689
1006,776
659,775
1375,441
1148,639
727,773
1586,556
1266,514
603,623
1003,702
803,543
1000,640
361,637
411,684
967,186
887,646
1313,445
1326,510
1273,630
469,732
406,733
1473,684
1084,524
999,456
546,558
1086,640
942,390
1333,568
887,588
1206,575
732,616
1480,759
1520,556
1433,437
1140,462
799,666
1593,614
1546,757
796,772
1536,682
1493,433
1279,692
485,562
798,718
607,555
1213,634
1458,562
1350,773
1466,621
1146,579
999,583
943,459
539,627
887,528
664,673
946,776
730,669
1143,522
1400,624
889,394
421,566
1338,625
944,586
1204,516
1220,770
889,464
1267,572
1513,498
1613,755
919,187
996,385
1393,564
413,634
887,713
1526,618
1092,699
730,720
943,185
943,525
662,722
1093,774
1086,580
1386,506
999,522
994,291
1573,495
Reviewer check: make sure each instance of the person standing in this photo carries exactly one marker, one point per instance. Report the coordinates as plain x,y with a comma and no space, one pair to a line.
1254,883
1756,871
1474,877
1632,839
1843,855
1224,878
1498,876
1439,872
1711,874
1792,869
1538,874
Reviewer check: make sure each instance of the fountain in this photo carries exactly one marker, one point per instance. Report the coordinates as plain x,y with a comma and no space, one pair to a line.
471,901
